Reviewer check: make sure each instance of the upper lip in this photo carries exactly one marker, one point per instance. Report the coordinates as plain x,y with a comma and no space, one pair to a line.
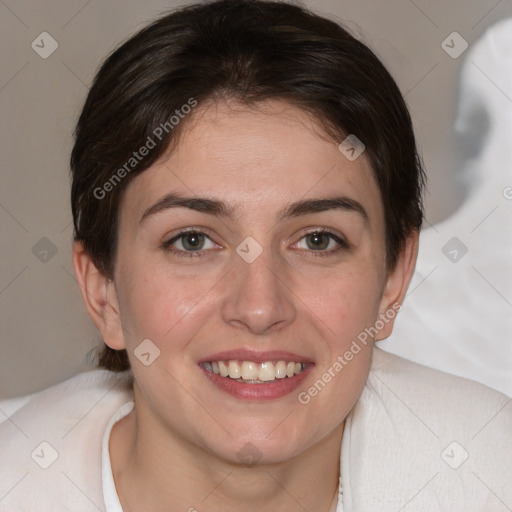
256,356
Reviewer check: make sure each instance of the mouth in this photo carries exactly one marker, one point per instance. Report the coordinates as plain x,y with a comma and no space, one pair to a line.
250,372
256,376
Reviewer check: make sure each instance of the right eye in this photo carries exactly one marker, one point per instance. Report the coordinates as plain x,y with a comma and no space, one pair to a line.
189,241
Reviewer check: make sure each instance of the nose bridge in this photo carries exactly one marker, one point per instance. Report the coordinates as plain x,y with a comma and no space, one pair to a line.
257,298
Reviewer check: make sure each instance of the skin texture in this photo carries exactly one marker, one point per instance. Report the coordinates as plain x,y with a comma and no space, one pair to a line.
180,444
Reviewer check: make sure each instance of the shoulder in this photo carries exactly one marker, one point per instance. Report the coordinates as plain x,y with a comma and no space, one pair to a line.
68,397
418,429
435,391
448,405
398,368
52,438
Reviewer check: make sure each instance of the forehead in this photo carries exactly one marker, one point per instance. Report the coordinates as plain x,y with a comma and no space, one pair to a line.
256,157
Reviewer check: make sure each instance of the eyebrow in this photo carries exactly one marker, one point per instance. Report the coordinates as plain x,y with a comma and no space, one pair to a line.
221,209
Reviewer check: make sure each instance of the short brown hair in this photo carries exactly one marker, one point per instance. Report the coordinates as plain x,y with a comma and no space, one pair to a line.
248,50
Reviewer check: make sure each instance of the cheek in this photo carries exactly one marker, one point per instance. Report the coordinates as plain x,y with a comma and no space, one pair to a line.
344,310
163,306
346,301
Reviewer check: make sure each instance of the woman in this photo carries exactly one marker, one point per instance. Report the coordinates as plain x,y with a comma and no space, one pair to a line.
247,201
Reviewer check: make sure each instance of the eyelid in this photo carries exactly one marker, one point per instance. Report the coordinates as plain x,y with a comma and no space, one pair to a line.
189,229
168,242
343,245
338,237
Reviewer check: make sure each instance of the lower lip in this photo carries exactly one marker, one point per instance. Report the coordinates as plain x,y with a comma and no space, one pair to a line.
262,391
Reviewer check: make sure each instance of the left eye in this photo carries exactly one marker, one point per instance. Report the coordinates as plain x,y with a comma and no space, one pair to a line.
320,241
191,241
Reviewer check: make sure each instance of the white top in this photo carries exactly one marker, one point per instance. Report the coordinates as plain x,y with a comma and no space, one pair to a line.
110,496
417,440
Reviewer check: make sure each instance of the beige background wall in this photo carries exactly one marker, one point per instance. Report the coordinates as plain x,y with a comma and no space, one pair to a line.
45,332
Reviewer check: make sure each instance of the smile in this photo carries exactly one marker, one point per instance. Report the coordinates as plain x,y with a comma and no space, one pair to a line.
256,376
250,372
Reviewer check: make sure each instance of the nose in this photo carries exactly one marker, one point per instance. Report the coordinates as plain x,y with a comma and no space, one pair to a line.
258,298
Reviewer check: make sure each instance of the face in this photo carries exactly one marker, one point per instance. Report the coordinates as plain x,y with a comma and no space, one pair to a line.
257,241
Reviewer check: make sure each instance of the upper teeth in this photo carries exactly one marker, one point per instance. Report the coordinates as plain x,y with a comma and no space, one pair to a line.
248,370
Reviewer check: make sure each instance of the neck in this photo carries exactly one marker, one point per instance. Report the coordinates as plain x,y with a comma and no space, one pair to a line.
154,467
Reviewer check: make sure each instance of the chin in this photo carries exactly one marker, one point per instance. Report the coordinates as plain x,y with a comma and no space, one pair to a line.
251,448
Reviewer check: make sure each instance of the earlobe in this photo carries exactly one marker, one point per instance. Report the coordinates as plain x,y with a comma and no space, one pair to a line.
100,298
397,283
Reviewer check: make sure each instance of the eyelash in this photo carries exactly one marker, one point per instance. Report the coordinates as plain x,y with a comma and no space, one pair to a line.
187,254
343,244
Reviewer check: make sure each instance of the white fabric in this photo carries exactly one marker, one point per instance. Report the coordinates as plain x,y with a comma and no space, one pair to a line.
458,316
391,451
110,496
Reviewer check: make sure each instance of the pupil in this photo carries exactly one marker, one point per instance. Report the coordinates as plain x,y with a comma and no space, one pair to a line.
193,241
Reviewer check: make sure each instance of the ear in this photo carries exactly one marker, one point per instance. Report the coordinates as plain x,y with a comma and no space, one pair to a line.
100,298
397,282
